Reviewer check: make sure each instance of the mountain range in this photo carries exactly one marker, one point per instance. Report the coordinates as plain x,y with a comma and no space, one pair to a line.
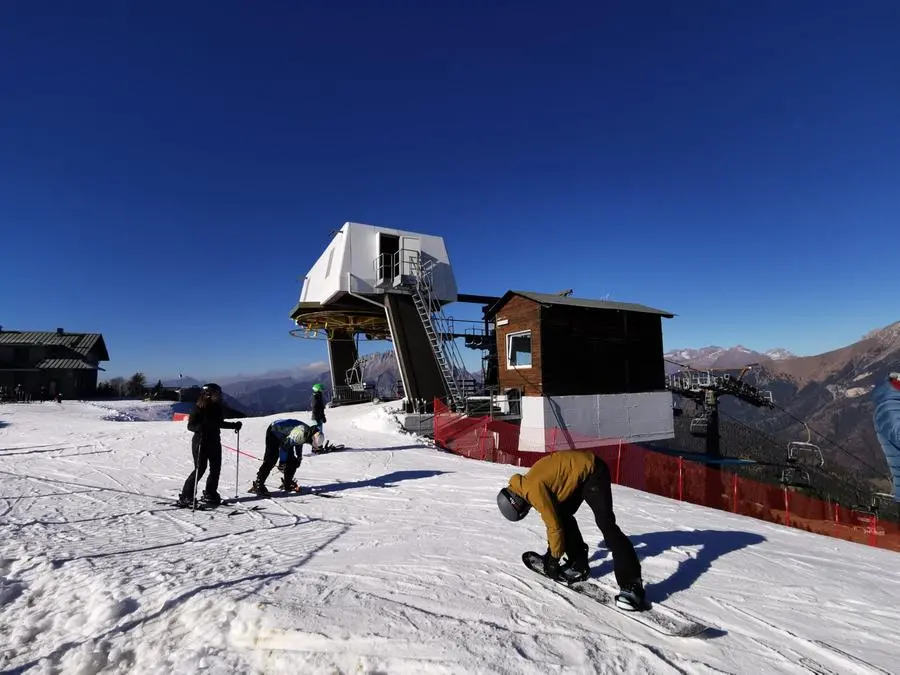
721,357
291,389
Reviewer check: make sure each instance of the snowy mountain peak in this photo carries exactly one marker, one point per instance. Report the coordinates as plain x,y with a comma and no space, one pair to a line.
779,354
731,357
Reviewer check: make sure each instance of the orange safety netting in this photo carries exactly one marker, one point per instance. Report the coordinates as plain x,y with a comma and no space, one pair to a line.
670,476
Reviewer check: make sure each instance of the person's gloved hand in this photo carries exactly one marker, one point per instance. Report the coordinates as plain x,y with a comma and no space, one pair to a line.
238,425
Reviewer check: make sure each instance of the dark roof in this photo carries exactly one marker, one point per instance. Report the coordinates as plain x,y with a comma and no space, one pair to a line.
547,299
66,364
81,343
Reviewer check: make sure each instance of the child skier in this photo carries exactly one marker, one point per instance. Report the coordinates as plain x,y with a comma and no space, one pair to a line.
288,436
556,486
317,405
206,421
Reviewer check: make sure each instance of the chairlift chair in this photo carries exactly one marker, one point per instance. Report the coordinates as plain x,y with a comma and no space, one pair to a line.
792,476
798,448
698,426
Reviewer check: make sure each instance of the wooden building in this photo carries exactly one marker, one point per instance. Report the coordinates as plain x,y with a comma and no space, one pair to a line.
56,361
591,367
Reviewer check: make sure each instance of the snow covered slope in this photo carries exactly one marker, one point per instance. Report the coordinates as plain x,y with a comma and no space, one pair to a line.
409,568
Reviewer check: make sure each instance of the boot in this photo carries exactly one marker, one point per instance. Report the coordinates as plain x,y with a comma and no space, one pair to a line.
211,498
289,487
259,488
631,597
185,500
578,568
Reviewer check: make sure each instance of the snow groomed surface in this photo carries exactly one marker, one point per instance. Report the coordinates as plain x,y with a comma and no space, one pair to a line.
408,568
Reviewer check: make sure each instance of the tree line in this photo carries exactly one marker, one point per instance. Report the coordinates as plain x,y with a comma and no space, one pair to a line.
134,387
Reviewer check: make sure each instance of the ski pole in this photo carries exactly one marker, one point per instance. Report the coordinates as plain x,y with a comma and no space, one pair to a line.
237,463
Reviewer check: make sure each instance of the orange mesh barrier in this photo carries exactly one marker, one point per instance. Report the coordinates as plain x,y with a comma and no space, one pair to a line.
497,441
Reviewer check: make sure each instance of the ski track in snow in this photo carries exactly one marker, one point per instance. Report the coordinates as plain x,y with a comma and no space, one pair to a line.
410,570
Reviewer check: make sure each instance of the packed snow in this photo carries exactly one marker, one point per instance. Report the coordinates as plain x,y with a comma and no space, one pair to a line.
408,567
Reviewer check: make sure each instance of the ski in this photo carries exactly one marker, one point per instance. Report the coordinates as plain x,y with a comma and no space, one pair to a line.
202,506
662,619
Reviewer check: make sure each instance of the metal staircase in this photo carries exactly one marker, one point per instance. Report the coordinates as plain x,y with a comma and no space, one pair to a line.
437,326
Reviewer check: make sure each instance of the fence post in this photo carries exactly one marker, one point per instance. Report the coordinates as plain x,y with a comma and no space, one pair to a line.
787,507
619,462
482,439
436,422
681,479
734,492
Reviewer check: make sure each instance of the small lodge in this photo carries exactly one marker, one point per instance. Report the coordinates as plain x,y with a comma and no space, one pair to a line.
46,363
593,368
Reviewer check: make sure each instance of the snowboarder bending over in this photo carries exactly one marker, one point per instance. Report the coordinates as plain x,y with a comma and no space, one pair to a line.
206,421
289,436
317,406
556,486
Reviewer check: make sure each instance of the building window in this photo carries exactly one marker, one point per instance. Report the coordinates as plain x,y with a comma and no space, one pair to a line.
518,349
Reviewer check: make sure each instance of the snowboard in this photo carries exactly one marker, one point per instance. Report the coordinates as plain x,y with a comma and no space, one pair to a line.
329,447
662,619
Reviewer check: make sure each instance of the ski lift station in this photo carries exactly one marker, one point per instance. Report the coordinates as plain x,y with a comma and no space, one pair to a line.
593,368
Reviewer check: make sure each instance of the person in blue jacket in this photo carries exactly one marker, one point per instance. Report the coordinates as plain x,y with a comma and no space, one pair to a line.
886,419
317,406
287,435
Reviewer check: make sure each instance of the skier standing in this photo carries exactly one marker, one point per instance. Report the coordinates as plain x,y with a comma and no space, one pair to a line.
317,405
287,436
206,421
556,486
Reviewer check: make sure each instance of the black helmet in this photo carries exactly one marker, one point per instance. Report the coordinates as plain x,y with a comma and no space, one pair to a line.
212,388
512,506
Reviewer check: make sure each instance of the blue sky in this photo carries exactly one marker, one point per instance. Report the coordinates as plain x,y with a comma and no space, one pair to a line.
169,171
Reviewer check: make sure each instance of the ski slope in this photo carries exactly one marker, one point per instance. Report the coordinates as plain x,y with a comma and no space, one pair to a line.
409,568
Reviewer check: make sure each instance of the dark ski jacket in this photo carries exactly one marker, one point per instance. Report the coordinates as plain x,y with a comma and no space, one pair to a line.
206,423
317,404
290,433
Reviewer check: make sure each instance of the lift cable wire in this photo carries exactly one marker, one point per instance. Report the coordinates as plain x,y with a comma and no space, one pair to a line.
841,480
879,472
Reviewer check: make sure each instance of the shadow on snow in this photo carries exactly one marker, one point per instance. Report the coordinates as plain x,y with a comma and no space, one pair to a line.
713,545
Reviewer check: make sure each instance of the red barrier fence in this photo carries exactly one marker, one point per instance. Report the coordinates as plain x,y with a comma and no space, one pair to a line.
630,465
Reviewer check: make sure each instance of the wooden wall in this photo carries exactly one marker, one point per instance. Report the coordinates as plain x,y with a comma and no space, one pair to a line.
522,314
600,351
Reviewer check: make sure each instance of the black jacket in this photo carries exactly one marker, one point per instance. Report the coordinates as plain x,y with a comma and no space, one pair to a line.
317,404
206,423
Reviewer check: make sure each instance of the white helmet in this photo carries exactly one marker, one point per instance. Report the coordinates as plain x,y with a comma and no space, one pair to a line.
318,439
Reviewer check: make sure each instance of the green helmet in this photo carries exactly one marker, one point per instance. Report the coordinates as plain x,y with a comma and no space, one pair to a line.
317,387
